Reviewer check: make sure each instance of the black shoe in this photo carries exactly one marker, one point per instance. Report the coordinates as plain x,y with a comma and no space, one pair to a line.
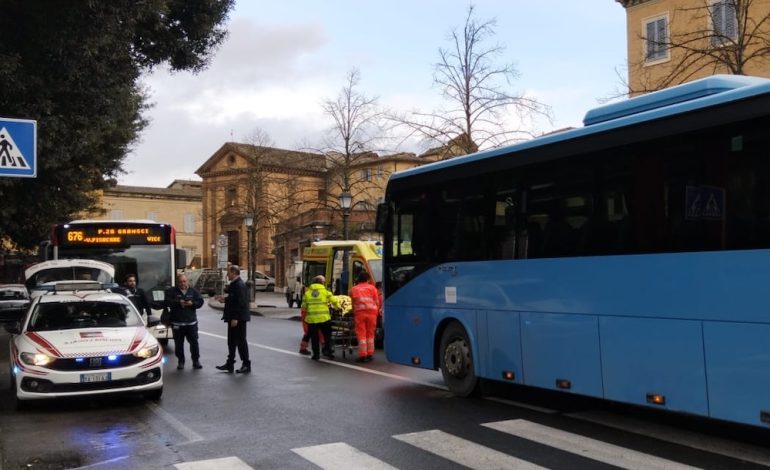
304,352
197,365
315,358
245,368
369,358
180,366
361,359
227,367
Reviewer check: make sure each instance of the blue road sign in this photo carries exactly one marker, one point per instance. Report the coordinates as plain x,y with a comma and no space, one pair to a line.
18,148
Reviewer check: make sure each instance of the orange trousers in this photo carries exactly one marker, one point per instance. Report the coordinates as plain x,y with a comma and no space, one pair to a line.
366,323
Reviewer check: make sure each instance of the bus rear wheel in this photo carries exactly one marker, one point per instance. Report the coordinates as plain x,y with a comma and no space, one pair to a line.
457,361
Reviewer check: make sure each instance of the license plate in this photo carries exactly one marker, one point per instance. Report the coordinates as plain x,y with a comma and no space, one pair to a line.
98,377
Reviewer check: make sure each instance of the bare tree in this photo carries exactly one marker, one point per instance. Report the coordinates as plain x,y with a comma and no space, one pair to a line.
350,148
724,36
481,113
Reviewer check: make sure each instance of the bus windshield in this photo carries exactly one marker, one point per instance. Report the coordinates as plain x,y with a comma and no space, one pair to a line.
151,264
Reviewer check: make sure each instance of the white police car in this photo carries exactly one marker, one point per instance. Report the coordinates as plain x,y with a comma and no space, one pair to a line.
80,339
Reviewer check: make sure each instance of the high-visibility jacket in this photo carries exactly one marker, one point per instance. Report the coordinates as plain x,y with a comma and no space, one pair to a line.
316,302
366,299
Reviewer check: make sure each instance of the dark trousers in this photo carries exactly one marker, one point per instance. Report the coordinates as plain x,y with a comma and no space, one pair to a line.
190,333
315,343
236,339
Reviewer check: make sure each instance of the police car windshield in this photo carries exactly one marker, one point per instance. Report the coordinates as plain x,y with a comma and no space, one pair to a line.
82,314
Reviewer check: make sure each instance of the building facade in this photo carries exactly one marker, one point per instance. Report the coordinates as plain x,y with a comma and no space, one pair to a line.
676,41
266,204
178,204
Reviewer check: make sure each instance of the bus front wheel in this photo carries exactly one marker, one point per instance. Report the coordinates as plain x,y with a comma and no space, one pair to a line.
457,361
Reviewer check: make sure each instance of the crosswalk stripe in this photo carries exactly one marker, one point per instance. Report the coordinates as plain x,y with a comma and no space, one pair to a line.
230,463
584,446
463,452
339,455
682,437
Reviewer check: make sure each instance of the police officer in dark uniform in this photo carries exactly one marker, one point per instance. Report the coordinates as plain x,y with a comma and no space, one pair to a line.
136,295
182,302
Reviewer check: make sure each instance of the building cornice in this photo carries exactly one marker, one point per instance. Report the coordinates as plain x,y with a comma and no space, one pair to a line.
631,3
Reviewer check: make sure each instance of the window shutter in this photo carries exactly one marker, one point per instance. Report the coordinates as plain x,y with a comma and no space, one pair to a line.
651,40
731,19
717,23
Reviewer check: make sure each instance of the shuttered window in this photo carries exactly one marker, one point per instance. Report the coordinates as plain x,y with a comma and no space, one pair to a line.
656,38
724,22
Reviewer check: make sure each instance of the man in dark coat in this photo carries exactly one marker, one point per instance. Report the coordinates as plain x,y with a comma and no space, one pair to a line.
136,295
236,315
182,302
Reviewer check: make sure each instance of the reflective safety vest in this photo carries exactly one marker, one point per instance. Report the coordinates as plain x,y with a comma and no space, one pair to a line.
366,299
316,302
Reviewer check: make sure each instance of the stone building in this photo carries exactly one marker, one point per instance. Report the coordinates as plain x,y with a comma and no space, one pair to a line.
289,198
178,204
676,41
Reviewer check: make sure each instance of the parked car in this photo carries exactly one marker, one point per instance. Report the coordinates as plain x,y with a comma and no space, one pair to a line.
14,301
81,339
263,282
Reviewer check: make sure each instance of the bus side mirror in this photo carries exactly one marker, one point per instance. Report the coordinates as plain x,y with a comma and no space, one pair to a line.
382,217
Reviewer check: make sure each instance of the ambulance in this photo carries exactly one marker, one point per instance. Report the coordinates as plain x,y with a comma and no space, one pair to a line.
340,262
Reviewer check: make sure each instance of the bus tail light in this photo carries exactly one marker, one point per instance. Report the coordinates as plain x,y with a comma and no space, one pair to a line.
563,384
656,399
416,360
509,375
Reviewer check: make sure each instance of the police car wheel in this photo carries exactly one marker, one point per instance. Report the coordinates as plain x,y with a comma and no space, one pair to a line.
154,395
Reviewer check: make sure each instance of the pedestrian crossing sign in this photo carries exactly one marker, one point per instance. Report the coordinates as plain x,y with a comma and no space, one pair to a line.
18,148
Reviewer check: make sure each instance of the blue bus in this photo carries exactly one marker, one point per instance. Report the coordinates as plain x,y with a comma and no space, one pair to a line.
627,260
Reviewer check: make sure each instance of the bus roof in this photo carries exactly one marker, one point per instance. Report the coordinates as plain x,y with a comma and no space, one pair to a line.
691,96
121,221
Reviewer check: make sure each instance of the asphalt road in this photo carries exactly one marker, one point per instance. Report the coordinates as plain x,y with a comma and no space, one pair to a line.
294,413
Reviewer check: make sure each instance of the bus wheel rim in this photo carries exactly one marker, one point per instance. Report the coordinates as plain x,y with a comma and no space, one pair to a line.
457,358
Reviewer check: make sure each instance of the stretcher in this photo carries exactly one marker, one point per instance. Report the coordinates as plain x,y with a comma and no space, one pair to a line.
343,326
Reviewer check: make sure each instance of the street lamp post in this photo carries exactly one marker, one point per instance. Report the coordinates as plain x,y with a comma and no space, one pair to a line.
249,222
345,202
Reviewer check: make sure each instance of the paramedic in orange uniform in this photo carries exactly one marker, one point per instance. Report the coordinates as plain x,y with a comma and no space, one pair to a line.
366,306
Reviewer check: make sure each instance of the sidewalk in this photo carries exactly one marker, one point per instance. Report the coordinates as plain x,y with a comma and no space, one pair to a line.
264,307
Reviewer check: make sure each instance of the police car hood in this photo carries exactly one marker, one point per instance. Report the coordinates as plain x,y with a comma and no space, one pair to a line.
84,342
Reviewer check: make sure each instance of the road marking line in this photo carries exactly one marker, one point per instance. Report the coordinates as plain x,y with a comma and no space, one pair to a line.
188,433
715,445
103,462
230,463
462,451
521,405
338,364
584,446
339,455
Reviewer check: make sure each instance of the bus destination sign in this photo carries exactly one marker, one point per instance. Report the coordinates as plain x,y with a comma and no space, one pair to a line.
113,235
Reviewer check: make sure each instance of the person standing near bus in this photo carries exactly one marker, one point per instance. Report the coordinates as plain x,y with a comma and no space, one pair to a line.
316,303
236,314
136,295
366,307
182,302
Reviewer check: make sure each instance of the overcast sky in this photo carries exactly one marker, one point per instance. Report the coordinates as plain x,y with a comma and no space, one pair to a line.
282,59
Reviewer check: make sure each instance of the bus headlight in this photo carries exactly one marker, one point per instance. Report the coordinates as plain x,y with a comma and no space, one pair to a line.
146,352
32,359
